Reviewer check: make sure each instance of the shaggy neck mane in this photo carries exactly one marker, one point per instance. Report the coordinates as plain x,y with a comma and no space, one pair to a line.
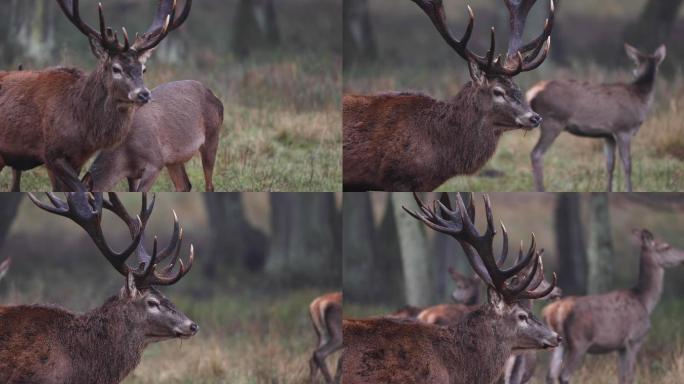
457,127
106,342
107,121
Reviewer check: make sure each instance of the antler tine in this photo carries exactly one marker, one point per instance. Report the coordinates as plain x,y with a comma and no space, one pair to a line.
167,278
434,9
71,10
164,22
546,32
87,213
516,49
176,237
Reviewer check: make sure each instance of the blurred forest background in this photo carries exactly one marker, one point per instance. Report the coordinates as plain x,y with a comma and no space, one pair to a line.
391,45
587,241
278,77
260,260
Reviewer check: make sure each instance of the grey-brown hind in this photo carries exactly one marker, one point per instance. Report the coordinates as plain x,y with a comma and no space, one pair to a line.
612,112
183,118
615,321
326,317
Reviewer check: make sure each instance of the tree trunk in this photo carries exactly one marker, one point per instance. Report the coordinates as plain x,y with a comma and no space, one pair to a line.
414,253
9,204
387,264
234,241
357,32
255,26
570,244
654,25
600,245
357,224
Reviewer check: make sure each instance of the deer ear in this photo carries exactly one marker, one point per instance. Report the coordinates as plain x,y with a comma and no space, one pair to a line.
647,238
478,75
130,289
632,53
495,299
660,54
97,48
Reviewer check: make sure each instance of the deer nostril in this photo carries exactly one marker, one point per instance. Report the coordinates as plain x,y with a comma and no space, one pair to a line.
194,328
560,339
144,96
535,119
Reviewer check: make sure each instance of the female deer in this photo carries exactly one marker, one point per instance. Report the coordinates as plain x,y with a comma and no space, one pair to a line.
326,316
50,345
412,142
474,351
61,116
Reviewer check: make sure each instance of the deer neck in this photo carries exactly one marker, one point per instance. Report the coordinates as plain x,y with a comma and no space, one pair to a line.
108,342
480,336
649,287
106,121
462,133
644,85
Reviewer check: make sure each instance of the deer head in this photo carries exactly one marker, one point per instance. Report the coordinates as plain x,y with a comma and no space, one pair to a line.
139,300
466,288
122,65
504,293
658,250
645,64
500,99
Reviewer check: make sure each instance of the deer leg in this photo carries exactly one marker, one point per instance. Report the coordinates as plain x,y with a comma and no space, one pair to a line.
549,132
16,180
627,361
313,365
147,180
338,373
555,365
609,151
133,184
624,144
208,154
575,355
65,176
179,177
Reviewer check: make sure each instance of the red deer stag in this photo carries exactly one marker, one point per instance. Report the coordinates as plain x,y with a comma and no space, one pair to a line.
183,118
4,267
49,345
474,350
612,112
412,142
615,321
61,116
326,316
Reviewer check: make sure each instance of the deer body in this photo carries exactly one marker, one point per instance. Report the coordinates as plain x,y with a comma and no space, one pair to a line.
326,316
183,118
612,112
412,142
60,117
614,321
41,124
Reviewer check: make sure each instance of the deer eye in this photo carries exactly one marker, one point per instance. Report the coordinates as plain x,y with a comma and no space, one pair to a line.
117,70
153,304
144,69
498,92
522,317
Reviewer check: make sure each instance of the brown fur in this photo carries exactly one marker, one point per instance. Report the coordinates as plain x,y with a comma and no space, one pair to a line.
183,118
412,142
326,316
46,345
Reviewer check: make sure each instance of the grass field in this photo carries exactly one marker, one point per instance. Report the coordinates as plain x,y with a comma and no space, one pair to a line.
420,61
660,361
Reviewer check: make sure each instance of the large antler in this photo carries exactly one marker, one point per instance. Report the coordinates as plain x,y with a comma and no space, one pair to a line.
86,211
4,267
460,224
518,59
164,22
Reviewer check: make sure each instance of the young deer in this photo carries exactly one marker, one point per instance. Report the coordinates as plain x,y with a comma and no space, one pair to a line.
4,267
612,112
615,321
183,118
466,296
61,116
47,344
412,142
474,350
326,316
